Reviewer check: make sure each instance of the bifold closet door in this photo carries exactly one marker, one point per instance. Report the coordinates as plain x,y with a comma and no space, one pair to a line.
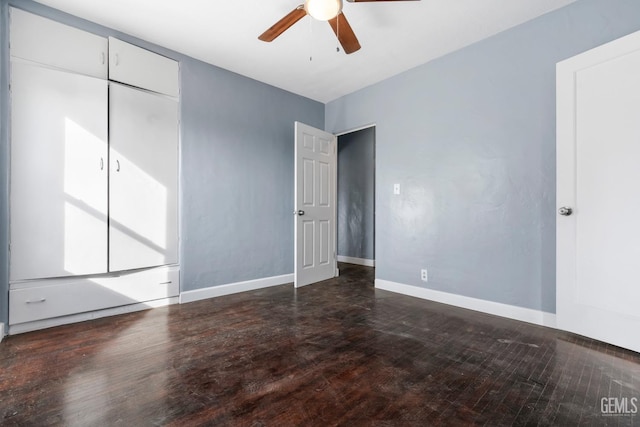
58,173
143,186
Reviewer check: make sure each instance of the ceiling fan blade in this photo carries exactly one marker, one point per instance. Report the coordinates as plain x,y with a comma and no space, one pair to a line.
345,33
282,25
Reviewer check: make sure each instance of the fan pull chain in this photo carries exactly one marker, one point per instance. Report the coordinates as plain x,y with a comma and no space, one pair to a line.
338,33
310,39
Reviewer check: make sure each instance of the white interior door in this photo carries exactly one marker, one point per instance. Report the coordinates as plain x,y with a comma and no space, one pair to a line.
598,155
143,182
58,173
315,205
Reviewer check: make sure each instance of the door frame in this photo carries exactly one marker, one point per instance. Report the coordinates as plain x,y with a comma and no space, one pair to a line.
375,187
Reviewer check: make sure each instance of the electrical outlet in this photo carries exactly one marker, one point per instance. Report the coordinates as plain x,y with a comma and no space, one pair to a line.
423,275
396,189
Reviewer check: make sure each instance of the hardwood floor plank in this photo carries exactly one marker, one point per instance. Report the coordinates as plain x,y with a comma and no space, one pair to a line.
335,353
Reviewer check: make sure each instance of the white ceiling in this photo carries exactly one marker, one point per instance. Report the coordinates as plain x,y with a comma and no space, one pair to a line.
395,36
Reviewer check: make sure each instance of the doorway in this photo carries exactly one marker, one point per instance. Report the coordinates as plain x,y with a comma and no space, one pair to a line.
356,197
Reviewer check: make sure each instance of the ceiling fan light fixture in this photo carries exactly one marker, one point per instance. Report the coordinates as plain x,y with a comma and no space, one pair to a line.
323,10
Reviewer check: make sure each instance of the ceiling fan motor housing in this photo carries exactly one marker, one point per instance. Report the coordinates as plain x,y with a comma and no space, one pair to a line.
323,10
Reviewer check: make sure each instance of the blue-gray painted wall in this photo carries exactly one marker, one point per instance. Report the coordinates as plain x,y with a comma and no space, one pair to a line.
356,186
471,139
237,160
236,166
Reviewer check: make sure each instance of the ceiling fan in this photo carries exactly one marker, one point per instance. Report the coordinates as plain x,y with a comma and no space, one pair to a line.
322,10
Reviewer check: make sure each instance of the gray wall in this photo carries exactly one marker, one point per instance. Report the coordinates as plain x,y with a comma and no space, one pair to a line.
237,158
471,139
236,167
356,185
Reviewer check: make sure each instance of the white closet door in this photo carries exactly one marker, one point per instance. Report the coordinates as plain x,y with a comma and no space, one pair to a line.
42,40
141,68
58,173
143,190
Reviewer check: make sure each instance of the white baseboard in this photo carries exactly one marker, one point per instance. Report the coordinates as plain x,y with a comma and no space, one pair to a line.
505,310
234,288
1,331
358,261
82,317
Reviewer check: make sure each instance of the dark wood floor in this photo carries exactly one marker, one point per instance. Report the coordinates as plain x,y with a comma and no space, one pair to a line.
335,353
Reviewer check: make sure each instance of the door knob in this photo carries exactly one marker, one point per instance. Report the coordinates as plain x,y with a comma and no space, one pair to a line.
565,211
300,212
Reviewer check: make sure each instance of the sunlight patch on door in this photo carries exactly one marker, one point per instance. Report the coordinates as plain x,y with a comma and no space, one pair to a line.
148,195
85,209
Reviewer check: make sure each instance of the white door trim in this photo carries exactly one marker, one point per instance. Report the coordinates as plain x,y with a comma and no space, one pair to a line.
372,125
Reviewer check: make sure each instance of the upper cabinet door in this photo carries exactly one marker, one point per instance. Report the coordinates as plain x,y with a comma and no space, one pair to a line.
143,182
58,173
47,42
141,68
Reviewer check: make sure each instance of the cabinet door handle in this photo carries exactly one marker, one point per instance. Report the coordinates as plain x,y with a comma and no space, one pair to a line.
36,301
101,163
103,58
117,165
117,60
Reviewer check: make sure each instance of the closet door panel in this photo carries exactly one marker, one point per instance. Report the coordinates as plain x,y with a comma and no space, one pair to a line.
143,190
58,173
141,68
44,41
